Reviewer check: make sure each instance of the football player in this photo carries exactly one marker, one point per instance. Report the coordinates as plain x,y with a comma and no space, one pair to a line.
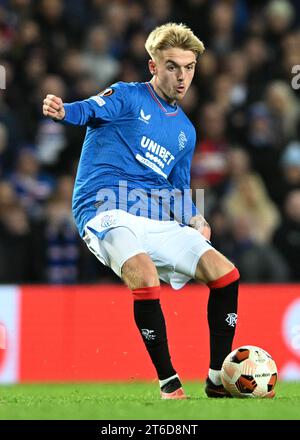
132,204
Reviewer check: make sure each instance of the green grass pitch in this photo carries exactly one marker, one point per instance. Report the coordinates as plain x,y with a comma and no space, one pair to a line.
139,401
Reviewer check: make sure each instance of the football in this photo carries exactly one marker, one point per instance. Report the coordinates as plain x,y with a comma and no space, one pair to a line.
249,371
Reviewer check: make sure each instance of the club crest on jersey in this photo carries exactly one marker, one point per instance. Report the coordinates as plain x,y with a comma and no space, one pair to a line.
182,140
144,118
106,92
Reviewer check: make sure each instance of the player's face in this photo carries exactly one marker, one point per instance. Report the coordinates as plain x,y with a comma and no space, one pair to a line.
172,73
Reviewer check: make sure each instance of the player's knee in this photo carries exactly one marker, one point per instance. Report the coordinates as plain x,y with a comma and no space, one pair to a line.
212,266
138,281
139,271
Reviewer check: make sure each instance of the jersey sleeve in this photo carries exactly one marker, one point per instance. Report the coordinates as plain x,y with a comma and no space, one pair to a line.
180,180
109,105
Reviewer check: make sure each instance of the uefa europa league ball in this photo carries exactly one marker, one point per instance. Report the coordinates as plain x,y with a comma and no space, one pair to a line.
249,371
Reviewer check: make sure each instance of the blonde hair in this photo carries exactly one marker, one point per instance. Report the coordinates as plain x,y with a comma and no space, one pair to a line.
173,35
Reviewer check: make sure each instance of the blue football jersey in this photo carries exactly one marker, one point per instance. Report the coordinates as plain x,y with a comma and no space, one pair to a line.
136,153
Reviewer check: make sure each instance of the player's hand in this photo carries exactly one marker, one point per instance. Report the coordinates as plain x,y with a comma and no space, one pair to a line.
199,223
53,107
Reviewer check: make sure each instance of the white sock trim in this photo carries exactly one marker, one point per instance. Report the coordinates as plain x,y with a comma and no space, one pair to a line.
164,381
215,376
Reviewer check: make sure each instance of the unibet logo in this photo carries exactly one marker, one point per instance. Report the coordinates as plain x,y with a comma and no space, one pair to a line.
161,154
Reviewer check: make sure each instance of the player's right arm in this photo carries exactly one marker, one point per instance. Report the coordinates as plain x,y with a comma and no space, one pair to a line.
53,107
104,107
75,113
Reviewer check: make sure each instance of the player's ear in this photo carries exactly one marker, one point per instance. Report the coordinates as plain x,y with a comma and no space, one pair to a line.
152,67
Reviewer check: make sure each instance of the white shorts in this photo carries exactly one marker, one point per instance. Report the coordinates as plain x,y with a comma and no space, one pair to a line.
115,236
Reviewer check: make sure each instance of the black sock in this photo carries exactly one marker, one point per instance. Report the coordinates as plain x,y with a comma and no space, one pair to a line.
150,321
222,316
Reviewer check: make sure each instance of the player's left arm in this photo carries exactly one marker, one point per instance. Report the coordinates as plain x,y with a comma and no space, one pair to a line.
199,223
180,180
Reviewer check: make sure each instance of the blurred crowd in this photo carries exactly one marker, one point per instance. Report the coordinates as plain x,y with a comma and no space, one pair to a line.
243,105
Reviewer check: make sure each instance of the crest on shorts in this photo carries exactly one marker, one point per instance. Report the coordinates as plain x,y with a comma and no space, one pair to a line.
108,220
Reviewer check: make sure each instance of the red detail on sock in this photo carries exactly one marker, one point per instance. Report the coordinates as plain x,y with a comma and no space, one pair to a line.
146,293
225,280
